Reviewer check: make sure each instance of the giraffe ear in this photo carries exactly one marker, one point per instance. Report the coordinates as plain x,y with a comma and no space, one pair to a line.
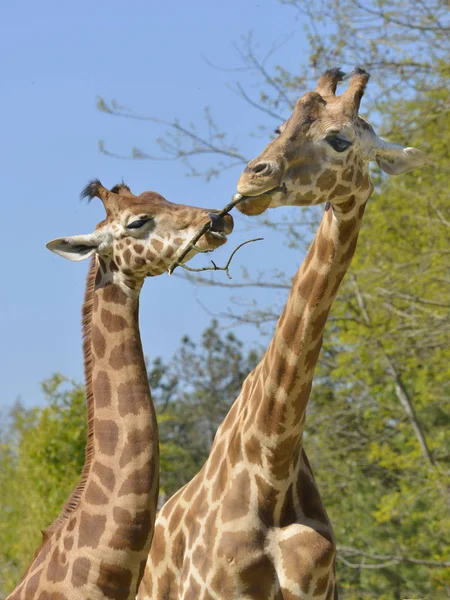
395,159
76,247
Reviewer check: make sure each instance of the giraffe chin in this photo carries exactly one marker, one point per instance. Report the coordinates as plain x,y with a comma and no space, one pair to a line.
257,204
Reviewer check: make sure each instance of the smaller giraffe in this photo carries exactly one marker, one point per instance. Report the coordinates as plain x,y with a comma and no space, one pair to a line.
251,524
97,547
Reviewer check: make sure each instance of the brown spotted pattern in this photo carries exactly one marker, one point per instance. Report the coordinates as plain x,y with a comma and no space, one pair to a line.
97,548
252,524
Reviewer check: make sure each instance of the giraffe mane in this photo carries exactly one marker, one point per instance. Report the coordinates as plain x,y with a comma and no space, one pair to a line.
86,323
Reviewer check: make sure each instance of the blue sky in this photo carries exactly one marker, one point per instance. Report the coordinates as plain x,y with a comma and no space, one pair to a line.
57,57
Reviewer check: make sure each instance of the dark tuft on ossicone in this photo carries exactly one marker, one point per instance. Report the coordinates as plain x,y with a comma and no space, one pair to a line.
360,71
120,186
91,189
336,73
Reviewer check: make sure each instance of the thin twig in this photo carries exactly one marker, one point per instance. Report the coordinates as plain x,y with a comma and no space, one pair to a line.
226,267
190,246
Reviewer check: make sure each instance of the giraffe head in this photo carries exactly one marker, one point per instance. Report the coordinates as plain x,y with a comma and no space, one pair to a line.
322,152
141,235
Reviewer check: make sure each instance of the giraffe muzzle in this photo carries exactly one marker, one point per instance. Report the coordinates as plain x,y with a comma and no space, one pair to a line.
220,226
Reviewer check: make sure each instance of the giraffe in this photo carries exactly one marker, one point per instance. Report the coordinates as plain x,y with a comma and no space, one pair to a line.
251,523
97,547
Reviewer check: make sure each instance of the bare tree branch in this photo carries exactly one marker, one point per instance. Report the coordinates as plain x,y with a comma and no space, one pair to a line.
215,267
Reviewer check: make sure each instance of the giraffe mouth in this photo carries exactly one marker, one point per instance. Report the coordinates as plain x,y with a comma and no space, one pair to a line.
240,197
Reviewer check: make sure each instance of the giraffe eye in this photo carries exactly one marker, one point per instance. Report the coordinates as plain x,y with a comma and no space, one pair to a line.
138,223
338,144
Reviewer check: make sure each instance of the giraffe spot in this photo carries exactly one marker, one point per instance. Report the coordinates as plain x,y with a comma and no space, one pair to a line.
80,571
287,595
140,574
32,585
133,396
107,435
187,493
253,451
282,457
105,474
361,210
95,302
149,255
313,355
326,250
95,494
52,596
98,276
304,199
222,584
102,389
199,506
234,452
98,342
339,190
56,570
118,260
178,548
193,589
140,261
128,242
68,542
215,460
348,254
157,245
124,355
293,332
307,548
114,581
307,283
139,481
91,529
267,501
175,518
139,248
308,494
158,549
133,531
257,578
359,179
220,481
319,324
326,180
236,503
169,252
347,174
113,266
127,257
288,514
178,241
114,294
138,441
167,585
112,323
348,205
71,524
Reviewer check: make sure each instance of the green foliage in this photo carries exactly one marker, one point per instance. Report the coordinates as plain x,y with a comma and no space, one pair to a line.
41,455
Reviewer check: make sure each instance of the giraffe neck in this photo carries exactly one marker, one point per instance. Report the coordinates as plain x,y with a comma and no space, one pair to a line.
274,397
98,546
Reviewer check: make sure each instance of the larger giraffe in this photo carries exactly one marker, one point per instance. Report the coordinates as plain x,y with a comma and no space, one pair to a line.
97,548
251,524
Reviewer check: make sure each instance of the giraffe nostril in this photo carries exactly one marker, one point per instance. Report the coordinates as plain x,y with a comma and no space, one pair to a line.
261,169
217,223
